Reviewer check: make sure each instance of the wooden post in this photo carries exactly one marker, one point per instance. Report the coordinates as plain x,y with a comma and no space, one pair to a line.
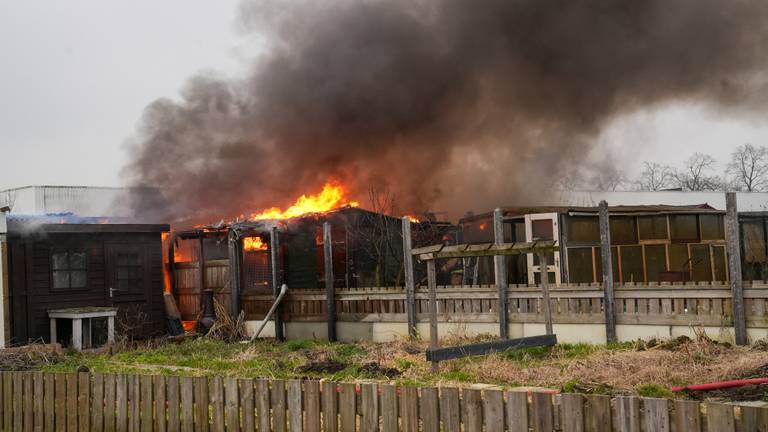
432,285
734,267
607,266
330,293
206,294
235,273
274,250
543,264
172,263
500,273
410,285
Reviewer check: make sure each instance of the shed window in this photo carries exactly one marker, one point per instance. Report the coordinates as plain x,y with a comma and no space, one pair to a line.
69,270
712,227
656,261
623,230
652,227
678,258
128,271
542,229
632,264
580,265
583,229
684,228
614,261
701,262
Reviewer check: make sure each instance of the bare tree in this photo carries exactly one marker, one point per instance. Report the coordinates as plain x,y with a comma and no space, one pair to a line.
655,176
697,175
569,182
608,181
748,168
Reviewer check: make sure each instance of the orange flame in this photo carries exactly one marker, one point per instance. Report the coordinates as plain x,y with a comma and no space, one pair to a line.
253,244
331,197
413,218
483,226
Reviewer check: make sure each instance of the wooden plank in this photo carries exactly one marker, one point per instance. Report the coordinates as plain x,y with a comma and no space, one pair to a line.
450,409
369,407
410,286
500,274
409,409
542,412
493,410
347,407
472,409
687,416
262,404
656,414
187,415
572,412
201,404
121,401
517,411
160,403
38,396
434,342
607,266
71,403
232,404
484,348
134,403
26,394
109,403
97,403
628,414
545,300
330,293
734,268
146,402
7,400
720,417
389,408
277,394
429,409
597,414
60,403
248,404
295,420
216,393
312,406
173,406
753,419
18,400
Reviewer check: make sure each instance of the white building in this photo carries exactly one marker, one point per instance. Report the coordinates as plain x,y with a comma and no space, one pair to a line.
85,201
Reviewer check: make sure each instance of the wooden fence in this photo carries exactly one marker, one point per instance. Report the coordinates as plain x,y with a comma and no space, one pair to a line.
36,401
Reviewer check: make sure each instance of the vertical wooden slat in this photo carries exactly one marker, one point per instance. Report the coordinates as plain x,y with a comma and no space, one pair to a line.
121,403
472,410
201,402
295,420
450,409
409,409
38,398
97,403
262,405
84,401
160,398
389,408
27,385
216,388
656,414
312,406
369,409
347,407
60,404
18,401
542,412
134,402
249,407
628,413
720,418
493,410
598,413
517,411
145,403
2,398
429,410
7,401
173,406
572,412
187,405
48,403
277,394
232,404
71,402
753,419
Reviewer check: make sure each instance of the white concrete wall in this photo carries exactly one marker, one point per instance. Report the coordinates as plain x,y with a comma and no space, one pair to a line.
83,201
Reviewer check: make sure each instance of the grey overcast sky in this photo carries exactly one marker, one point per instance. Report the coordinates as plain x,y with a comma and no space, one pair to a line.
76,75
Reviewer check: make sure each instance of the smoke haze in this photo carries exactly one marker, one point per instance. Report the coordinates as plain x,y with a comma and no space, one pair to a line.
452,105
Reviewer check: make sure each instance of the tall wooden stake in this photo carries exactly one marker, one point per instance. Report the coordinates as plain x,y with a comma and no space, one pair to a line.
235,259
500,274
330,293
734,268
410,285
546,305
274,250
172,263
607,266
432,285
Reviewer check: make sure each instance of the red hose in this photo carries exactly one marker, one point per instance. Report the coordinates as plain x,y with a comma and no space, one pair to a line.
721,384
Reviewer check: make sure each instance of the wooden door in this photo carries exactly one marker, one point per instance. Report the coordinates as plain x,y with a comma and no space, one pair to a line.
129,287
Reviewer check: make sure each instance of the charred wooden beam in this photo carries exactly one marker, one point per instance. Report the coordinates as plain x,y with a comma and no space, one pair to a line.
484,348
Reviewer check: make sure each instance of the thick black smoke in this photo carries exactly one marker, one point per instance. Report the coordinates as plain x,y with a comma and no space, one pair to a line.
451,105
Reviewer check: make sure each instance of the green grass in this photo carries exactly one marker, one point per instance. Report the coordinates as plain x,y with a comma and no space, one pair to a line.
653,390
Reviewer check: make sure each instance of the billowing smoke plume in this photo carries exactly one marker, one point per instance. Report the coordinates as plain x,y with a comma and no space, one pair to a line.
450,105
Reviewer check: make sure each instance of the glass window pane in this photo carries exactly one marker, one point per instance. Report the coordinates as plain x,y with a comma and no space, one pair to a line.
655,261
652,227
77,260
583,229
542,229
684,228
550,259
712,227
599,264
60,261
632,264
623,230
754,240
701,263
678,258
719,264
61,279
78,279
580,265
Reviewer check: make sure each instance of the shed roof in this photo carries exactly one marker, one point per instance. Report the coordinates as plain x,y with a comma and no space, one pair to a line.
613,210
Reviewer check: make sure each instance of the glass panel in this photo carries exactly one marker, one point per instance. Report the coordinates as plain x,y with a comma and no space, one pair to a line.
550,259
652,227
753,257
684,228
542,229
623,230
583,229
702,266
128,259
78,279
678,258
77,260
61,279
614,260
712,227
580,265
632,264
718,262
60,261
655,261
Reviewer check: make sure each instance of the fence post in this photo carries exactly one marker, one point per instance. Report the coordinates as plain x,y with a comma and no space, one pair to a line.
274,251
235,258
734,268
607,266
432,284
546,305
500,273
410,288
330,294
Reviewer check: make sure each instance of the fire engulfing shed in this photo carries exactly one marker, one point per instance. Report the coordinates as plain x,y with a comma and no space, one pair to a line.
68,262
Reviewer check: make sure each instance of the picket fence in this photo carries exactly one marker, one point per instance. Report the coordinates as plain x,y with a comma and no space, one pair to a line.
36,401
